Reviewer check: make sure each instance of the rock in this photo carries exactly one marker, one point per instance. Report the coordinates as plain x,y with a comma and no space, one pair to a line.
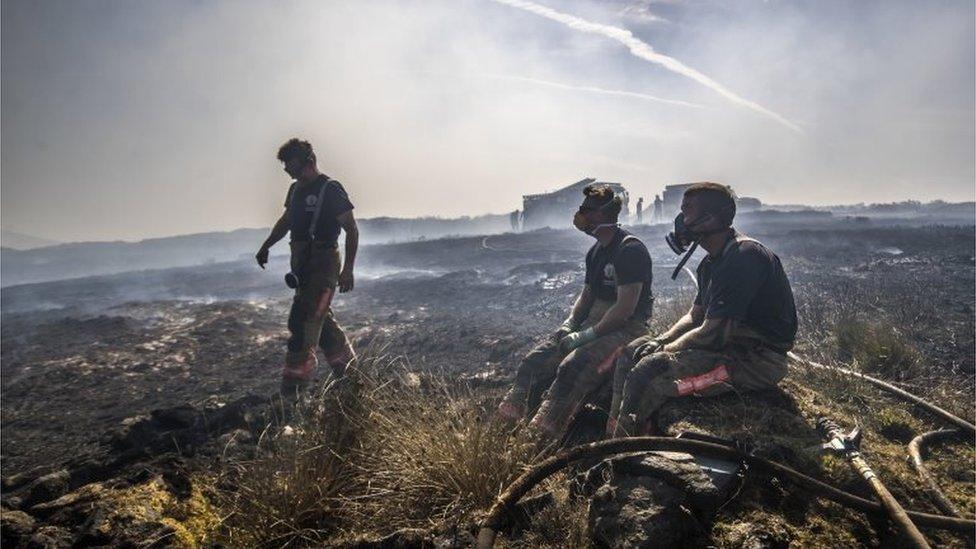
15,527
47,487
676,469
50,537
650,499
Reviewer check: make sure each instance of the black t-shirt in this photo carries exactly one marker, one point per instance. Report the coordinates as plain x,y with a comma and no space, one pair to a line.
300,203
747,283
620,262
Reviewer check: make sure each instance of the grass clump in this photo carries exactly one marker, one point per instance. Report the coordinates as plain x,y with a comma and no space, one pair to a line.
876,348
434,455
383,451
294,491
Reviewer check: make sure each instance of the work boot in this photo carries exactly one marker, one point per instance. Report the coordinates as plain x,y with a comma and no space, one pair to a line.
509,411
292,387
543,423
512,408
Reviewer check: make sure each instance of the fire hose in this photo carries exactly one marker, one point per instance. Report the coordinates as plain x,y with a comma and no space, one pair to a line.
901,393
848,445
536,474
915,449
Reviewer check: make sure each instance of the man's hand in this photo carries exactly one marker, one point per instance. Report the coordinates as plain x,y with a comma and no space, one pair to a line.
648,348
262,256
576,339
567,328
346,281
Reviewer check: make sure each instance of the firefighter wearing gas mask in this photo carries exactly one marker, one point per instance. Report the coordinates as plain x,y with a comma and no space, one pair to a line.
612,309
736,334
317,208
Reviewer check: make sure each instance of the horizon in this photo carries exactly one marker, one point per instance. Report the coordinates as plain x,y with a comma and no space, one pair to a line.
768,207
137,121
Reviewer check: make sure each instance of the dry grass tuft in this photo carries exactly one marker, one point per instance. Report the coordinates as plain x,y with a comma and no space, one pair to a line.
433,455
877,348
383,450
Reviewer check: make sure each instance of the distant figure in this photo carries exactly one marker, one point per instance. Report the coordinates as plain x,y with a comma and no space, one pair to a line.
734,337
316,208
657,216
612,309
640,210
521,219
514,220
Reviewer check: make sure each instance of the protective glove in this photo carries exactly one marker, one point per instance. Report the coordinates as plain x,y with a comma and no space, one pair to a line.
576,339
569,326
648,348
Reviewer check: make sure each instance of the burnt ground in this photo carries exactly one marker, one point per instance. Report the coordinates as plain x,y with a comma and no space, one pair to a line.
81,356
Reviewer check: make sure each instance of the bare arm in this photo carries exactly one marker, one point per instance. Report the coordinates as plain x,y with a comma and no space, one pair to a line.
582,306
617,315
711,335
348,223
278,232
691,320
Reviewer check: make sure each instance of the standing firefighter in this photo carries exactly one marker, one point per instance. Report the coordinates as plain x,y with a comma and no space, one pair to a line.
612,309
316,208
737,333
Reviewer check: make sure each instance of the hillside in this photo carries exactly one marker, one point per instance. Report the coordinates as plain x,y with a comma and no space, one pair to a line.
148,420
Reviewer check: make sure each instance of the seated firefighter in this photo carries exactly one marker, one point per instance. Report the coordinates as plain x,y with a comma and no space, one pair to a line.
612,310
736,335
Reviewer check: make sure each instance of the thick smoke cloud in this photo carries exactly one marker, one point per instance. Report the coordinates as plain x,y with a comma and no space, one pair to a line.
138,119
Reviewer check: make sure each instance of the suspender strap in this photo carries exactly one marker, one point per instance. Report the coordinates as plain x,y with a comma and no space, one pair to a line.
318,210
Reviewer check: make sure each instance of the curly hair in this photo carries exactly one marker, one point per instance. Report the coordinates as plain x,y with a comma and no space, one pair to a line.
718,199
295,148
603,197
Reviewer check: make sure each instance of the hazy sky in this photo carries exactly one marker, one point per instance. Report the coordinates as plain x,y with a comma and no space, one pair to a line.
129,119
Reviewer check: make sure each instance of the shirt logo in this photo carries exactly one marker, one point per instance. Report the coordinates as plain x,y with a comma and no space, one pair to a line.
609,274
311,199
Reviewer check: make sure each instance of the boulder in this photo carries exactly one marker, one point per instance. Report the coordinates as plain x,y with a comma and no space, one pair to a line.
658,499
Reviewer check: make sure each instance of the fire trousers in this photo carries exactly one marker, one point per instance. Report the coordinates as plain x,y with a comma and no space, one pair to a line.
311,320
641,388
567,379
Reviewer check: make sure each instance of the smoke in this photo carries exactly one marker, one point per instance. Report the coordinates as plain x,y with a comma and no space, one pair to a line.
644,51
592,89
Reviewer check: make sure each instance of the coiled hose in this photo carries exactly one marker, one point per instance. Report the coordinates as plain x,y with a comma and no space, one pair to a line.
536,474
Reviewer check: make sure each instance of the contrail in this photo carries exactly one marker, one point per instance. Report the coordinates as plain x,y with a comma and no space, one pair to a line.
592,89
643,50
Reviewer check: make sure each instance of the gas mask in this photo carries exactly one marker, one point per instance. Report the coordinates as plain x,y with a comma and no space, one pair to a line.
597,199
684,235
580,222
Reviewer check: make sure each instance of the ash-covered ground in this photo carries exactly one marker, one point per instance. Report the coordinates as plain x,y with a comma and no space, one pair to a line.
79,357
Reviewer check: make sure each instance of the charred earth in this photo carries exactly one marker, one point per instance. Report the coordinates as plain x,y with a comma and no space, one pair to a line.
136,406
